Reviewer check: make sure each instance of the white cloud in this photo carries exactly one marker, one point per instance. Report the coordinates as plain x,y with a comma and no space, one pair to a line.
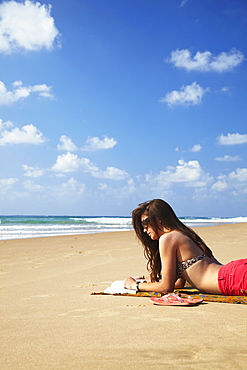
102,186
189,173
68,188
92,144
69,162
183,3
188,95
32,171
32,187
59,175
26,26
8,182
228,158
42,90
111,173
5,125
7,188
95,143
119,194
240,174
220,185
235,182
205,62
67,144
28,134
22,92
226,90
232,139
196,148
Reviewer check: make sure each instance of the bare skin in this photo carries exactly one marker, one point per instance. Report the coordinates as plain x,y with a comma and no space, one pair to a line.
176,247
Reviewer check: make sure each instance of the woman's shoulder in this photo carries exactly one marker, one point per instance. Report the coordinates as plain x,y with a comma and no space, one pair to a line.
173,236
176,239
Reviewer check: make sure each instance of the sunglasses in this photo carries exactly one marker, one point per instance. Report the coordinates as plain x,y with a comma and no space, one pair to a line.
145,222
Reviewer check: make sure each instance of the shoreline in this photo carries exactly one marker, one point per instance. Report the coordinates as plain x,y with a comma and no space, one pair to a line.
23,227
122,230
50,320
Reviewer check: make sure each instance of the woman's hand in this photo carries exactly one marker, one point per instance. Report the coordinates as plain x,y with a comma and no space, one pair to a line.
130,283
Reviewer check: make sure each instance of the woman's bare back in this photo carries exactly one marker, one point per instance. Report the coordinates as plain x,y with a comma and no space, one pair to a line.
202,274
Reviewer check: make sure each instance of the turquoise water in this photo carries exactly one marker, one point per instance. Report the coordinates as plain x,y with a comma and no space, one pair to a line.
16,227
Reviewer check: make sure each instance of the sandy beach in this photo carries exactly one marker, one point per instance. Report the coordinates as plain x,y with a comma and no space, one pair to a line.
50,320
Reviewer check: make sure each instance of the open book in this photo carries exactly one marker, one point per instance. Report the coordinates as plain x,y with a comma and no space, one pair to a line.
117,287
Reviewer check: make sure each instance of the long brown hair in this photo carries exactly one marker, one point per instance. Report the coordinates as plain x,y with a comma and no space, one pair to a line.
160,215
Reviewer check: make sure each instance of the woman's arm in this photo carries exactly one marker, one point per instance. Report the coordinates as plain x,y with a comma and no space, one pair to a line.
130,283
167,249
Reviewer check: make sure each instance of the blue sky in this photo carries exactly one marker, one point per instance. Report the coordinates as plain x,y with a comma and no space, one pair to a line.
106,104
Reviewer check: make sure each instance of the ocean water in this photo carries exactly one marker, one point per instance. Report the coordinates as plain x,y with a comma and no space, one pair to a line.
18,227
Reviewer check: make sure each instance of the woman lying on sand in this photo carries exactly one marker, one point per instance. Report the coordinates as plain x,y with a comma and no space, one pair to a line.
176,254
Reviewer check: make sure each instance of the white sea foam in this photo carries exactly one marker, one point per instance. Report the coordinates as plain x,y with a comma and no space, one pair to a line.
17,227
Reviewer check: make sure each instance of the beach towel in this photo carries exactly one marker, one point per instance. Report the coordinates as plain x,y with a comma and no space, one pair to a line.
117,289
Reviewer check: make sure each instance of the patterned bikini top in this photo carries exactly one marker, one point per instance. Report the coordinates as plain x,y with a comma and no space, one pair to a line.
181,266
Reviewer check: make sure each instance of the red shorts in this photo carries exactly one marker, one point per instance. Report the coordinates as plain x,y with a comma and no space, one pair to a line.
232,278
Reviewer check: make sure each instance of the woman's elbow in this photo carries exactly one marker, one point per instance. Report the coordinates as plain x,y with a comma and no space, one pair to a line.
167,288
